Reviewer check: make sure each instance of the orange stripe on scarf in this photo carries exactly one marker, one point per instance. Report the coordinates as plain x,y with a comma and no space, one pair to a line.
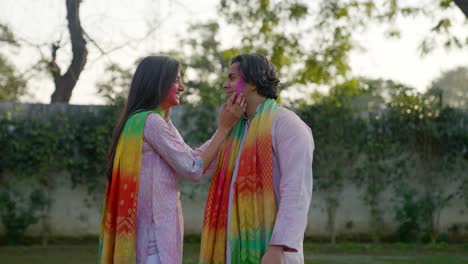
253,209
117,242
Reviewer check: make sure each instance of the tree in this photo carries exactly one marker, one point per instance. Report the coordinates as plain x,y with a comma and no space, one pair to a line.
115,87
202,71
263,28
64,83
452,88
383,162
6,36
335,130
436,138
463,5
12,84
310,43
280,31
204,67
339,121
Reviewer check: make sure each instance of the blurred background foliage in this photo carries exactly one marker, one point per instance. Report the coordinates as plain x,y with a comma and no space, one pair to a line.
379,135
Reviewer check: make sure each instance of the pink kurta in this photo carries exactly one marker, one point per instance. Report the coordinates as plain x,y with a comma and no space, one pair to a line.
165,156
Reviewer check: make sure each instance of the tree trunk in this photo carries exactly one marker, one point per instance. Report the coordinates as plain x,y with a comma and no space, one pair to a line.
435,225
376,218
48,186
65,83
331,224
463,5
332,206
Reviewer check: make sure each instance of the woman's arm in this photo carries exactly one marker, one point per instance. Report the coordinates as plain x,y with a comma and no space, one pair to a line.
230,113
172,148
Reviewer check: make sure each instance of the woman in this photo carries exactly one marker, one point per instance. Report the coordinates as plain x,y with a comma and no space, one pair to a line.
142,219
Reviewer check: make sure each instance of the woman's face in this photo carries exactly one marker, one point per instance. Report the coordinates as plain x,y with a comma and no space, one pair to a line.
172,98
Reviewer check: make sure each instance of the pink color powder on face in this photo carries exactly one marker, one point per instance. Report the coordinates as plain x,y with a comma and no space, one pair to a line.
241,86
172,98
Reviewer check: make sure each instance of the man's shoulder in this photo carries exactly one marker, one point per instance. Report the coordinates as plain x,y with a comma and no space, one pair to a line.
288,125
287,118
286,115
286,111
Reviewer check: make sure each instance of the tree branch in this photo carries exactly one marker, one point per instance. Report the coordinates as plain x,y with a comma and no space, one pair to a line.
53,66
64,84
7,36
94,42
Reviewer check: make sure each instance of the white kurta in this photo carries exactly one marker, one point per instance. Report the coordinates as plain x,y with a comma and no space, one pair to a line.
293,147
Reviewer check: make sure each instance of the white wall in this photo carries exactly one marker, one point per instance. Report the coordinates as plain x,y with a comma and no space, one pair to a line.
72,216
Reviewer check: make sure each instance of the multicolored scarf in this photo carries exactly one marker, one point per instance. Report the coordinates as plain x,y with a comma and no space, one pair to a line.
254,206
117,241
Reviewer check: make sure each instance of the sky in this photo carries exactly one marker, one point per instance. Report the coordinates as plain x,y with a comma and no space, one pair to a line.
125,22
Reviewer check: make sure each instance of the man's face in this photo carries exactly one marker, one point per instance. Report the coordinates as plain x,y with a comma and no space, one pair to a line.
234,76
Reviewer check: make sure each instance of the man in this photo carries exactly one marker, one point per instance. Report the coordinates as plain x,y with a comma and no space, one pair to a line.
259,197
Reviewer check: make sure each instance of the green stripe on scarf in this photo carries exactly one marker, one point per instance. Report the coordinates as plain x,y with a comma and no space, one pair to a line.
117,241
254,208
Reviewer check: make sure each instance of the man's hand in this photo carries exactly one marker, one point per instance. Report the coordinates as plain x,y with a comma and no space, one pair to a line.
274,255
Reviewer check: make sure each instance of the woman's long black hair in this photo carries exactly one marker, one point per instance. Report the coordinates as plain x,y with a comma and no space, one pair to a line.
151,83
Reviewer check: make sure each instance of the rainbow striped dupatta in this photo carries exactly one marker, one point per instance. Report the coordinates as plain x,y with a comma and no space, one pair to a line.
254,206
117,241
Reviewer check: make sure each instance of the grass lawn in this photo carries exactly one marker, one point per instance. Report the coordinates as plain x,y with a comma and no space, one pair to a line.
345,253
